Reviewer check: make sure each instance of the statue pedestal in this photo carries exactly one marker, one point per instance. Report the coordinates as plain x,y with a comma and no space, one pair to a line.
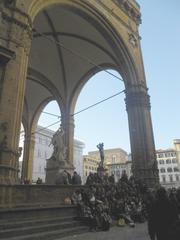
101,171
54,167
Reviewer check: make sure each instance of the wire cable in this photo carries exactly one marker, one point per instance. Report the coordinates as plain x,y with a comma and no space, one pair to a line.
52,114
95,104
91,106
76,54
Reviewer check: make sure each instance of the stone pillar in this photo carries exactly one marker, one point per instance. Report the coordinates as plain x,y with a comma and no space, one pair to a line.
141,135
68,125
15,40
28,156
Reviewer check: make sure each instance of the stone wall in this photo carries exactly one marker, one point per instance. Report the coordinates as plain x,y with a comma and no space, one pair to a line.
14,196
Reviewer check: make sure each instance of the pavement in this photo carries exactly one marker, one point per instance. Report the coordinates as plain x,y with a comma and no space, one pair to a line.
139,232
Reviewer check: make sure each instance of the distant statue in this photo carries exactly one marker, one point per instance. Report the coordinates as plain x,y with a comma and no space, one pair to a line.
100,146
60,151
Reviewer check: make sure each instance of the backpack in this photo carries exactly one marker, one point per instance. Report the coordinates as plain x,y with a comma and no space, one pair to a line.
121,222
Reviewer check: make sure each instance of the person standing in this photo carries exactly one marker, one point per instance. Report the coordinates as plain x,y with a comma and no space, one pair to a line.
76,179
163,216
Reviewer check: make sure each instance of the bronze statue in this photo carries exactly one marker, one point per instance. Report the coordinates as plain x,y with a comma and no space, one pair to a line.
100,146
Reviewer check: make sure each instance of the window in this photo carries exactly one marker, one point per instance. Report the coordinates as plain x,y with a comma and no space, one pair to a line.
167,154
169,169
40,140
168,161
160,155
177,178
114,159
161,161
164,178
162,170
174,160
170,178
176,169
39,153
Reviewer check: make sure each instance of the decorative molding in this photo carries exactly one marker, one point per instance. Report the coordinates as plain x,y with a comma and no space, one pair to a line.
129,9
16,31
137,99
10,4
3,136
100,2
10,19
133,40
6,55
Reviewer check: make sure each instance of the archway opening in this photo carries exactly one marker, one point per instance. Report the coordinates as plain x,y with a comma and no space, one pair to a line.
105,122
48,123
21,152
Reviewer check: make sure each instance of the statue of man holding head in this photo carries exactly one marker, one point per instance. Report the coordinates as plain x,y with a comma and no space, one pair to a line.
100,146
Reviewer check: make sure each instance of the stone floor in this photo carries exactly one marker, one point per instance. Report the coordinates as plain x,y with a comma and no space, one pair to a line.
115,233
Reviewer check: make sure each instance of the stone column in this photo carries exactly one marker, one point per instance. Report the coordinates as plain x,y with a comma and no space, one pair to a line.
141,135
28,156
15,40
68,125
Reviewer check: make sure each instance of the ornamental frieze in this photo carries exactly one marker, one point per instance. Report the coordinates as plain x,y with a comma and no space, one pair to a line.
14,30
128,8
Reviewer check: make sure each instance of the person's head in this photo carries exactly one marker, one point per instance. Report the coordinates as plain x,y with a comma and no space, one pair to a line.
75,173
161,193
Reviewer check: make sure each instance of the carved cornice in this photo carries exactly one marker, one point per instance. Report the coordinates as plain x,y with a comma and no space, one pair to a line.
16,25
7,18
129,9
10,4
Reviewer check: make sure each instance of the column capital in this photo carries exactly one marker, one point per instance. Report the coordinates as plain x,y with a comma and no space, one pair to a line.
15,28
6,55
136,95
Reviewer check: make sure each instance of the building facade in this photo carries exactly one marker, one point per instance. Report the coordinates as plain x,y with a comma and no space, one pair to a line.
90,165
117,169
169,174
44,149
115,161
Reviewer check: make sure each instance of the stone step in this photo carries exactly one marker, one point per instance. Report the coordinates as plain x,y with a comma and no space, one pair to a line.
38,212
50,235
26,230
11,224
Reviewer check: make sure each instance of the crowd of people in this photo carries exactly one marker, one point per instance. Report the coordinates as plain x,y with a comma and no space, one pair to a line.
127,202
103,201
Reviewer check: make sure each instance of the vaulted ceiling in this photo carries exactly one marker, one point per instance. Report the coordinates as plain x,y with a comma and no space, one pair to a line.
66,48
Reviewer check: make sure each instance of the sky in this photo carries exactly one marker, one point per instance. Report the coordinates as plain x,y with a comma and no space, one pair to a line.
107,122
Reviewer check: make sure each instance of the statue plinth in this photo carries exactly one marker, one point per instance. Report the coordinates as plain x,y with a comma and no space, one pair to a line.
101,171
54,167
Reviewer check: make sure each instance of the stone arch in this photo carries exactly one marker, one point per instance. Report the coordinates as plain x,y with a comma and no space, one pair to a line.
84,80
125,47
104,26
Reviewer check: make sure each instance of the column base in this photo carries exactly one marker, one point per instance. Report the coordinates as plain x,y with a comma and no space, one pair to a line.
147,176
8,173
